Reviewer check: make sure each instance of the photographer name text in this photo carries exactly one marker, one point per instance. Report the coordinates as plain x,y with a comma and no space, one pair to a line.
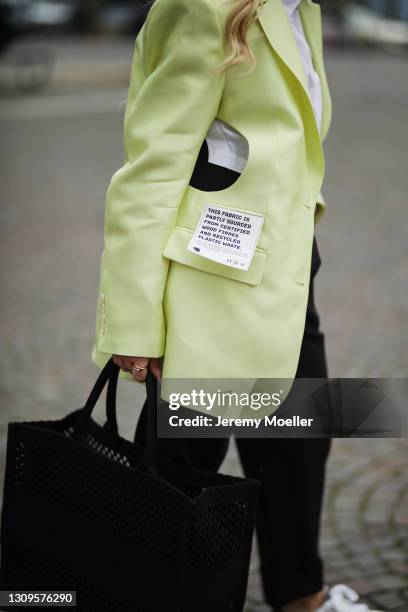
268,421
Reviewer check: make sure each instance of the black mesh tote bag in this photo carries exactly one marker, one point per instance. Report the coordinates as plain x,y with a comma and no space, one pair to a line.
128,529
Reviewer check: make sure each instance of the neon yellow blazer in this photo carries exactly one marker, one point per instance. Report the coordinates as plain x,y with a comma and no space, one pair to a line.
156,297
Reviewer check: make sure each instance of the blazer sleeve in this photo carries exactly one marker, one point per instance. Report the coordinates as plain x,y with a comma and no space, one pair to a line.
174,95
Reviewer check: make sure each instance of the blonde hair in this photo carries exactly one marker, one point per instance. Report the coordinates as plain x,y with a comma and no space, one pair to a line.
241,17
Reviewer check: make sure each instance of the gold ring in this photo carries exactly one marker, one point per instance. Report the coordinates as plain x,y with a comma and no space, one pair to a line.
138,368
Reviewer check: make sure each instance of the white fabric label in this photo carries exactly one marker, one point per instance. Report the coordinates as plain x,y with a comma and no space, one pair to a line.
226,236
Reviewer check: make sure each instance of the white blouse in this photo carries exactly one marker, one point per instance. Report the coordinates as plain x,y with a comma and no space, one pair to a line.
313,80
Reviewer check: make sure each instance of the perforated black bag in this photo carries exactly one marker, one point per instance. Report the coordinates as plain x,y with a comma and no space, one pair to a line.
127,528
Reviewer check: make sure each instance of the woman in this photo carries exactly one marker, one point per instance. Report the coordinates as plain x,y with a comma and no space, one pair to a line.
228,106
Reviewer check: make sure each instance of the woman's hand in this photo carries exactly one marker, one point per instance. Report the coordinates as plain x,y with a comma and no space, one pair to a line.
126,363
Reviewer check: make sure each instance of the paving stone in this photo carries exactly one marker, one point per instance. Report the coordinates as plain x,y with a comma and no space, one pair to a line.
391,582
399,567
389,600
394,554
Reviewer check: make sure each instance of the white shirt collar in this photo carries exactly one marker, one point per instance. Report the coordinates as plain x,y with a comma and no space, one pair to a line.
291,6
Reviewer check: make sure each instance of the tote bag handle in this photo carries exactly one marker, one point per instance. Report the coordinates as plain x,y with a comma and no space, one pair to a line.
110,372
148,463
111,423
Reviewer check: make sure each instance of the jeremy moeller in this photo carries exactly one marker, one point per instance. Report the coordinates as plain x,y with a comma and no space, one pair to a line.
271,421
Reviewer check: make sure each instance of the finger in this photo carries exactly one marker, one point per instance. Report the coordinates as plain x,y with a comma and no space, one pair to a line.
154,366
118,360
139,376
142,362
128,362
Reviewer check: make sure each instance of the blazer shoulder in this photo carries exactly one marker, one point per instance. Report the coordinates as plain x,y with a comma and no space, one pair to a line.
192,7
171,11
185,24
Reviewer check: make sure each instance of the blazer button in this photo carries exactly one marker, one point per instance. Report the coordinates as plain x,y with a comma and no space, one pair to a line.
308,205
299,282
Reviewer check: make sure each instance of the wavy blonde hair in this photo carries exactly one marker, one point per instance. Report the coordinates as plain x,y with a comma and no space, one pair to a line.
241,17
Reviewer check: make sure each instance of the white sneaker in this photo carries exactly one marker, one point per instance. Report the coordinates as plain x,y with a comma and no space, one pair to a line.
341,598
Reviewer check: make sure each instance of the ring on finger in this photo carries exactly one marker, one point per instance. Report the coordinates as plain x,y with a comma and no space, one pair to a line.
138,368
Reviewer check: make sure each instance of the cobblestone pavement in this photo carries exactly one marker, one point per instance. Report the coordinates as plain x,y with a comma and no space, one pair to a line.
59,149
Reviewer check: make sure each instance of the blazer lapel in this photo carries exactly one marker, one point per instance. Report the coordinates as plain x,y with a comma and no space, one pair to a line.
276,25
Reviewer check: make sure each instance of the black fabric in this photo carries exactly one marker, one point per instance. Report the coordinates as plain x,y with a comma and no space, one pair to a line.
128,529
291,472
211,177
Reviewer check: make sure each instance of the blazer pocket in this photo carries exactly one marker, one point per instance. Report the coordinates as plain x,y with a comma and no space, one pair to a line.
176,250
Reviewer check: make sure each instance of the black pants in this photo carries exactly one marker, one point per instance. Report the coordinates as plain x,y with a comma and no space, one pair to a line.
292,475
292,479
